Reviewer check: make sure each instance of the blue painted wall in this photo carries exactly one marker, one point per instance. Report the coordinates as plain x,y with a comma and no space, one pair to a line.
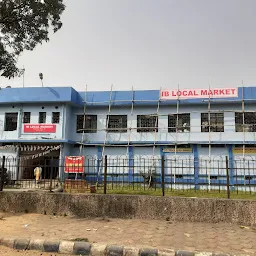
162,136
70,103
34,109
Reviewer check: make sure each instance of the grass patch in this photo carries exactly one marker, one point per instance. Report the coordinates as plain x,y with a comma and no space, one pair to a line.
183,193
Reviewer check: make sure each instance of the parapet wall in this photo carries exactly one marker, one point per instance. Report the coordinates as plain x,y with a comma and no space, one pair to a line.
127,206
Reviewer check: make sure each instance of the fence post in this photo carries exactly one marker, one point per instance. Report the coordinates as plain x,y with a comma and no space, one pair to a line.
2,174
162,167
227,172
51,175
105,174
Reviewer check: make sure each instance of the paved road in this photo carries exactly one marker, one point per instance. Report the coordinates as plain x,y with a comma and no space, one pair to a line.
155,233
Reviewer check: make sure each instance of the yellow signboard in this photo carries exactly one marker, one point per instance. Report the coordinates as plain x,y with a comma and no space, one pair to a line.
178,150
246,150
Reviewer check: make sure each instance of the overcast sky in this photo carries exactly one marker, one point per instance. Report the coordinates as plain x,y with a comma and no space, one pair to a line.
147,44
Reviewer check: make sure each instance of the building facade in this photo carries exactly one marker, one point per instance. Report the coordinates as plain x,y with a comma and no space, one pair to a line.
49,123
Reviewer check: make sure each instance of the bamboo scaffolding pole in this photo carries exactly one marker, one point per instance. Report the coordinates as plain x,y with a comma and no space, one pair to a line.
164,128
209,133
155,135
243,120
84,121
129,129
106,135
176,137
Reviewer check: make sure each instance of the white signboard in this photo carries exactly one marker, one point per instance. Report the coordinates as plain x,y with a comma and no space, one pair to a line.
169,94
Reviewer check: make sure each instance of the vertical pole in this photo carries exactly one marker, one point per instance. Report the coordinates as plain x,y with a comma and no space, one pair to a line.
84,124
177,122
51,173
231,167
23,76
227,171
2,174
105,174
196,166
243,120
209,133
129,148
130,163
163,185
106,130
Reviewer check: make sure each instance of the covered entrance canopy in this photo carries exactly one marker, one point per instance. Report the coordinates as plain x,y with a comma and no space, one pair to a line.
44,155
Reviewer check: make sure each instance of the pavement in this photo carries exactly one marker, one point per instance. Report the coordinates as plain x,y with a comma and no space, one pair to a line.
135,233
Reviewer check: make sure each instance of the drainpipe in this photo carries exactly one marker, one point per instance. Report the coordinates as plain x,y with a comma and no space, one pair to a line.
20,123
18,162
64,112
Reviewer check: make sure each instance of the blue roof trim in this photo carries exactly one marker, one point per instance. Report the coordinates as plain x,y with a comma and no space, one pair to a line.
36,94
102,98
167,143
38,141
151,97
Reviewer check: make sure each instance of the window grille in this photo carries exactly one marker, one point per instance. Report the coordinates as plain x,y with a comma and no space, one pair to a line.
26,117
182,123
117,123
147,123
42,117
89,126
55,117
216,122
213,146
249,122
11,120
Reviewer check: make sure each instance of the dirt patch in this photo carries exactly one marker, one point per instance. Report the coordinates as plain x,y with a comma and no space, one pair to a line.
218,237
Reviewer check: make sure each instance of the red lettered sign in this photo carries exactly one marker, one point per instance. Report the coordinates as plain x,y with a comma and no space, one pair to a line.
39,128
74,164
170,94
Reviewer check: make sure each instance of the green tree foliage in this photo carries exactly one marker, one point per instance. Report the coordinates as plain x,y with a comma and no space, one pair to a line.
23,25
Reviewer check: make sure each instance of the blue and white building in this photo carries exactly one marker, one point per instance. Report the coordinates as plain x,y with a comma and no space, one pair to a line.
127,125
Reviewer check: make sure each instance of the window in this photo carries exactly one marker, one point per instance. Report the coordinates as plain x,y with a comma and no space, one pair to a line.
88,125
147,123
181,122
180,146
42,118
55,117
216,122
249,121
213,145
117,123
26,117
11,120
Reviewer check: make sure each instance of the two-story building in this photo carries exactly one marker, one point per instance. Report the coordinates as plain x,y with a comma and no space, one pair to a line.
42,123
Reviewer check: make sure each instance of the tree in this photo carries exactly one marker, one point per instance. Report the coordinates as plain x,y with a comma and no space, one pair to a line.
23,25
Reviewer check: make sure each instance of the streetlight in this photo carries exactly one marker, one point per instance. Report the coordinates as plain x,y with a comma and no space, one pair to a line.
41,76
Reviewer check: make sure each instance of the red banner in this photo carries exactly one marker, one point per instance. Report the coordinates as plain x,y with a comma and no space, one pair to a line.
74,164
39,128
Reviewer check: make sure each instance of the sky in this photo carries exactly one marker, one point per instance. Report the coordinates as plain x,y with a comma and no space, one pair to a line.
147,44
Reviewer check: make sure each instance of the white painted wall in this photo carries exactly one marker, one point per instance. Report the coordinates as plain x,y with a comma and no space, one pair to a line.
162,135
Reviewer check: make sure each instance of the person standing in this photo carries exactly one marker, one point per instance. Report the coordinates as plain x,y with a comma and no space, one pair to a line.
37,174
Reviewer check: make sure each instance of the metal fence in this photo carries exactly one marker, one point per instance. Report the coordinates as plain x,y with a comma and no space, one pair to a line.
141,174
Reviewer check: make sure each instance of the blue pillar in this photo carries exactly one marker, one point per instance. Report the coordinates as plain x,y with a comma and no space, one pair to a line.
131,164
162,155
196,166
99,164
62,161
231,166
